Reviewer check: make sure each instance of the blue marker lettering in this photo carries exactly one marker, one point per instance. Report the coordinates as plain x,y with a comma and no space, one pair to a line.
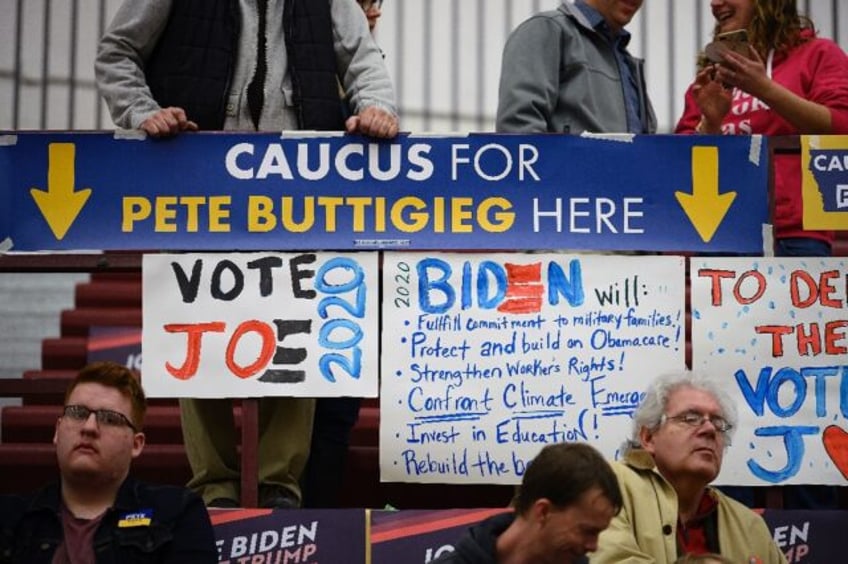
793,441
570,287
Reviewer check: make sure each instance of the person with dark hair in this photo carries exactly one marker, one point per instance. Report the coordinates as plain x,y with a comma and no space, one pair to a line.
569,71
567,496
96,512
785,81
680,432
245,65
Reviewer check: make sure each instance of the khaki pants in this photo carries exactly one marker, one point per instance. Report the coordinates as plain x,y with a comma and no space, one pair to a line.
209,434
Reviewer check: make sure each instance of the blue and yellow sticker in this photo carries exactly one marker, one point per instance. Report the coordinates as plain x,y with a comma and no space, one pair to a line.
140,518
824,187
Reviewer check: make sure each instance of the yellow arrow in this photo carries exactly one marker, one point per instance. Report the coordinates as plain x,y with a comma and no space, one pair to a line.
60,204
705,207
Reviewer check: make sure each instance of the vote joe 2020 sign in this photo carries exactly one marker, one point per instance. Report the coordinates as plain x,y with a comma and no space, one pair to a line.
260,324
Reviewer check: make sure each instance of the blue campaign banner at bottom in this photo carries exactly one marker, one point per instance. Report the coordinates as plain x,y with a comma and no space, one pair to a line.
226,191
303,536
419,536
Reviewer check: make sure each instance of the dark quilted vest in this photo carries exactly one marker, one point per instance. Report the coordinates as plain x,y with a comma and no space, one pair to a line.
193,61
312,64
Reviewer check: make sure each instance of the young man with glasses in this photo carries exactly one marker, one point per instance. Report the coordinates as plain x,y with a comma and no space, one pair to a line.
96,512
680,433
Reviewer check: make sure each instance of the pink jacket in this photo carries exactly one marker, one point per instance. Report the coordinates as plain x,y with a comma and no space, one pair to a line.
816,70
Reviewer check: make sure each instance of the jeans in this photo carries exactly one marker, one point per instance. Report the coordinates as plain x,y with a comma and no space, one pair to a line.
801,247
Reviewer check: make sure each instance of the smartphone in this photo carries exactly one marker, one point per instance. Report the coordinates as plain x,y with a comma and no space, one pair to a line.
736,41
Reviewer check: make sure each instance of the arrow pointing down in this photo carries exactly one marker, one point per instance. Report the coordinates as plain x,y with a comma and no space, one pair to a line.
60,204
705,207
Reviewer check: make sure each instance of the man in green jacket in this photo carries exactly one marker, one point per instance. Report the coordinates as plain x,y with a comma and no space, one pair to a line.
680,432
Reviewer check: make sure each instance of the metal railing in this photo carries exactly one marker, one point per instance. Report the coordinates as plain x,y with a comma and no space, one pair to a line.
444,57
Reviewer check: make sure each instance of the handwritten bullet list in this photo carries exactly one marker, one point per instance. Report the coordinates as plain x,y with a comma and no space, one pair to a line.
484,377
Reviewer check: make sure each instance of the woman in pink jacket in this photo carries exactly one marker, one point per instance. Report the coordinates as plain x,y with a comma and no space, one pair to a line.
789,82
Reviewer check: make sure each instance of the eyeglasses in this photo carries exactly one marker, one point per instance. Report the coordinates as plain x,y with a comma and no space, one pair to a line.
696,419
368,4
107,417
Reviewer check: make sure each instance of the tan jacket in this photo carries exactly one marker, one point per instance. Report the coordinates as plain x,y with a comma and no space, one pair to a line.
646,528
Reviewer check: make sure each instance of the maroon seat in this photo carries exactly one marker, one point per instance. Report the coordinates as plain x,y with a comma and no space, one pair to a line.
34,464
77,322
122,294
34,423
63,353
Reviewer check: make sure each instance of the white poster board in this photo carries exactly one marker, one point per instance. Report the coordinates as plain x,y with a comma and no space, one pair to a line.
775,331
260,324
487,358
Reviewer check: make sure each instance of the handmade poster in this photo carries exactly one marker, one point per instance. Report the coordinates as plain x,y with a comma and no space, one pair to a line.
260,324
773,331
488,357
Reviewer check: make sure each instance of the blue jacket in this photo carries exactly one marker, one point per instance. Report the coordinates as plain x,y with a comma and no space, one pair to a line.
179,531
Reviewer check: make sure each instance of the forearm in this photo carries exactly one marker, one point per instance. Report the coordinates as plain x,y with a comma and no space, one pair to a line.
361,66
806,116
522,108
120,61
529,84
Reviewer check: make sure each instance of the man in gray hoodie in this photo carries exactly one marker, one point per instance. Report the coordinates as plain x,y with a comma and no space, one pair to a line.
568,71
167,66
264,65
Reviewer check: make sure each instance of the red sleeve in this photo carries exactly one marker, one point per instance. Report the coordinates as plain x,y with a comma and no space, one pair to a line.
691,115
828,70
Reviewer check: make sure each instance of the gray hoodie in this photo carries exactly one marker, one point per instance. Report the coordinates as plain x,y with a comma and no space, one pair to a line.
133,33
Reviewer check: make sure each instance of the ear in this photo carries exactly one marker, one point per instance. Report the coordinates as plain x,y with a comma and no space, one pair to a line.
646,438
540,510
138,444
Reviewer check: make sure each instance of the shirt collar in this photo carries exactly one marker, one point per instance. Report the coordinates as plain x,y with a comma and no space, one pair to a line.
597,21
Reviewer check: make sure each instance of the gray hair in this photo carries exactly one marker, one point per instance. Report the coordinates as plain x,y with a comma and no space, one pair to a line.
655,399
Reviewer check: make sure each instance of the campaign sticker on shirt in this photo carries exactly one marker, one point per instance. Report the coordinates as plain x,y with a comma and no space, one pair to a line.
140,518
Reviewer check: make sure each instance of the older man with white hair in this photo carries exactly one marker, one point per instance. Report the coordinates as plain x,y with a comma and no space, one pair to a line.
680,433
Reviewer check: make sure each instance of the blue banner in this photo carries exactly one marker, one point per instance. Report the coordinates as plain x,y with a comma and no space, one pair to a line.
421,536
222,191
